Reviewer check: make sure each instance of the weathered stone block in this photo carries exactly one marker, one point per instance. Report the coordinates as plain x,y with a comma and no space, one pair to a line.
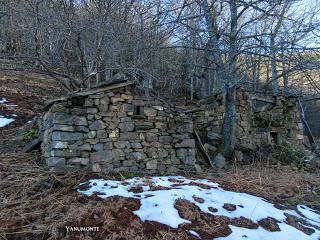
79,121
151,137
118,154
81,161
122,144
59,144
144,125
66,136
137,156
165,139
126,126
96,167
185,128
127,107
102,156
55,161
98,147
83,147
65,153
62,118
129,136
150,112
97,125
63,128
128,163
136,145
116,99
152,165
186,143
159,108
92,110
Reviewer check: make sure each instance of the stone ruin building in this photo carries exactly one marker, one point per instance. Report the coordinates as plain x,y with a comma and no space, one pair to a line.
118,127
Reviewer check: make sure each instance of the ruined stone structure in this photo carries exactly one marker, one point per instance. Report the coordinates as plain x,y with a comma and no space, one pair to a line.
117,128
120,128
261,120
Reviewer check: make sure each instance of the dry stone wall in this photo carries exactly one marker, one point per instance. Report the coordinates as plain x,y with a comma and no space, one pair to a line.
261,120
117,130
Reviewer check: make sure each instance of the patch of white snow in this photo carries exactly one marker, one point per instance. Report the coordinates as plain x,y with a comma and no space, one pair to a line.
3,100
5,121
158,205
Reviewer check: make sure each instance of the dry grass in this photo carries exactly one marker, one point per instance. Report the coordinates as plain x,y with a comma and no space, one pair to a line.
36,204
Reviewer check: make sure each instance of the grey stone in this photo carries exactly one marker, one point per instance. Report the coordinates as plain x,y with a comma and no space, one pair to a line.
144,125
152,165
186,143
185,128
88,102
102,156
79,121
238,155
122,144
150,112
96,167
92,110
128,163
81,161
102,134
198,168
209,148
181,152
138,156
126,126
127,107
136,145
64,128
162,153
212,136
62,118
129,136
83,129
55,161
159,108
219,160
67,136
92,134
98,147
165,139
189,160
116,99
118,154
58,144
65,153
152,152
82,147
151,137
97,125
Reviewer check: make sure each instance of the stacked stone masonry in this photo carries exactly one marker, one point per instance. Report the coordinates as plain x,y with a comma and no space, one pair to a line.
117,130
261,120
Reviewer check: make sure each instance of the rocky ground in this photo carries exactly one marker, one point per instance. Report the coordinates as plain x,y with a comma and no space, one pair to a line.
36,204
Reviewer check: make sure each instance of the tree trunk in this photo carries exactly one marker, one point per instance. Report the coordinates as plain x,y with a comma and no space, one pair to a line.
229,122
275,84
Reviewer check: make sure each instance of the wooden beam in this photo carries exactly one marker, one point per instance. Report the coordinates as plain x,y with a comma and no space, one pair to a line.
201,148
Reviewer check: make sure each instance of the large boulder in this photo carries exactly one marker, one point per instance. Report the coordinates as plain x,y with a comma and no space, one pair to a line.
219,160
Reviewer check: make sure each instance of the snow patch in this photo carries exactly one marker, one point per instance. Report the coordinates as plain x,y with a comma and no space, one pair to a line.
3,100
5,121
158,205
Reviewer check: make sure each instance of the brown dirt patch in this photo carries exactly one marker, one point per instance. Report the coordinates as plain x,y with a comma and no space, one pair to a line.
230,207
270,224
